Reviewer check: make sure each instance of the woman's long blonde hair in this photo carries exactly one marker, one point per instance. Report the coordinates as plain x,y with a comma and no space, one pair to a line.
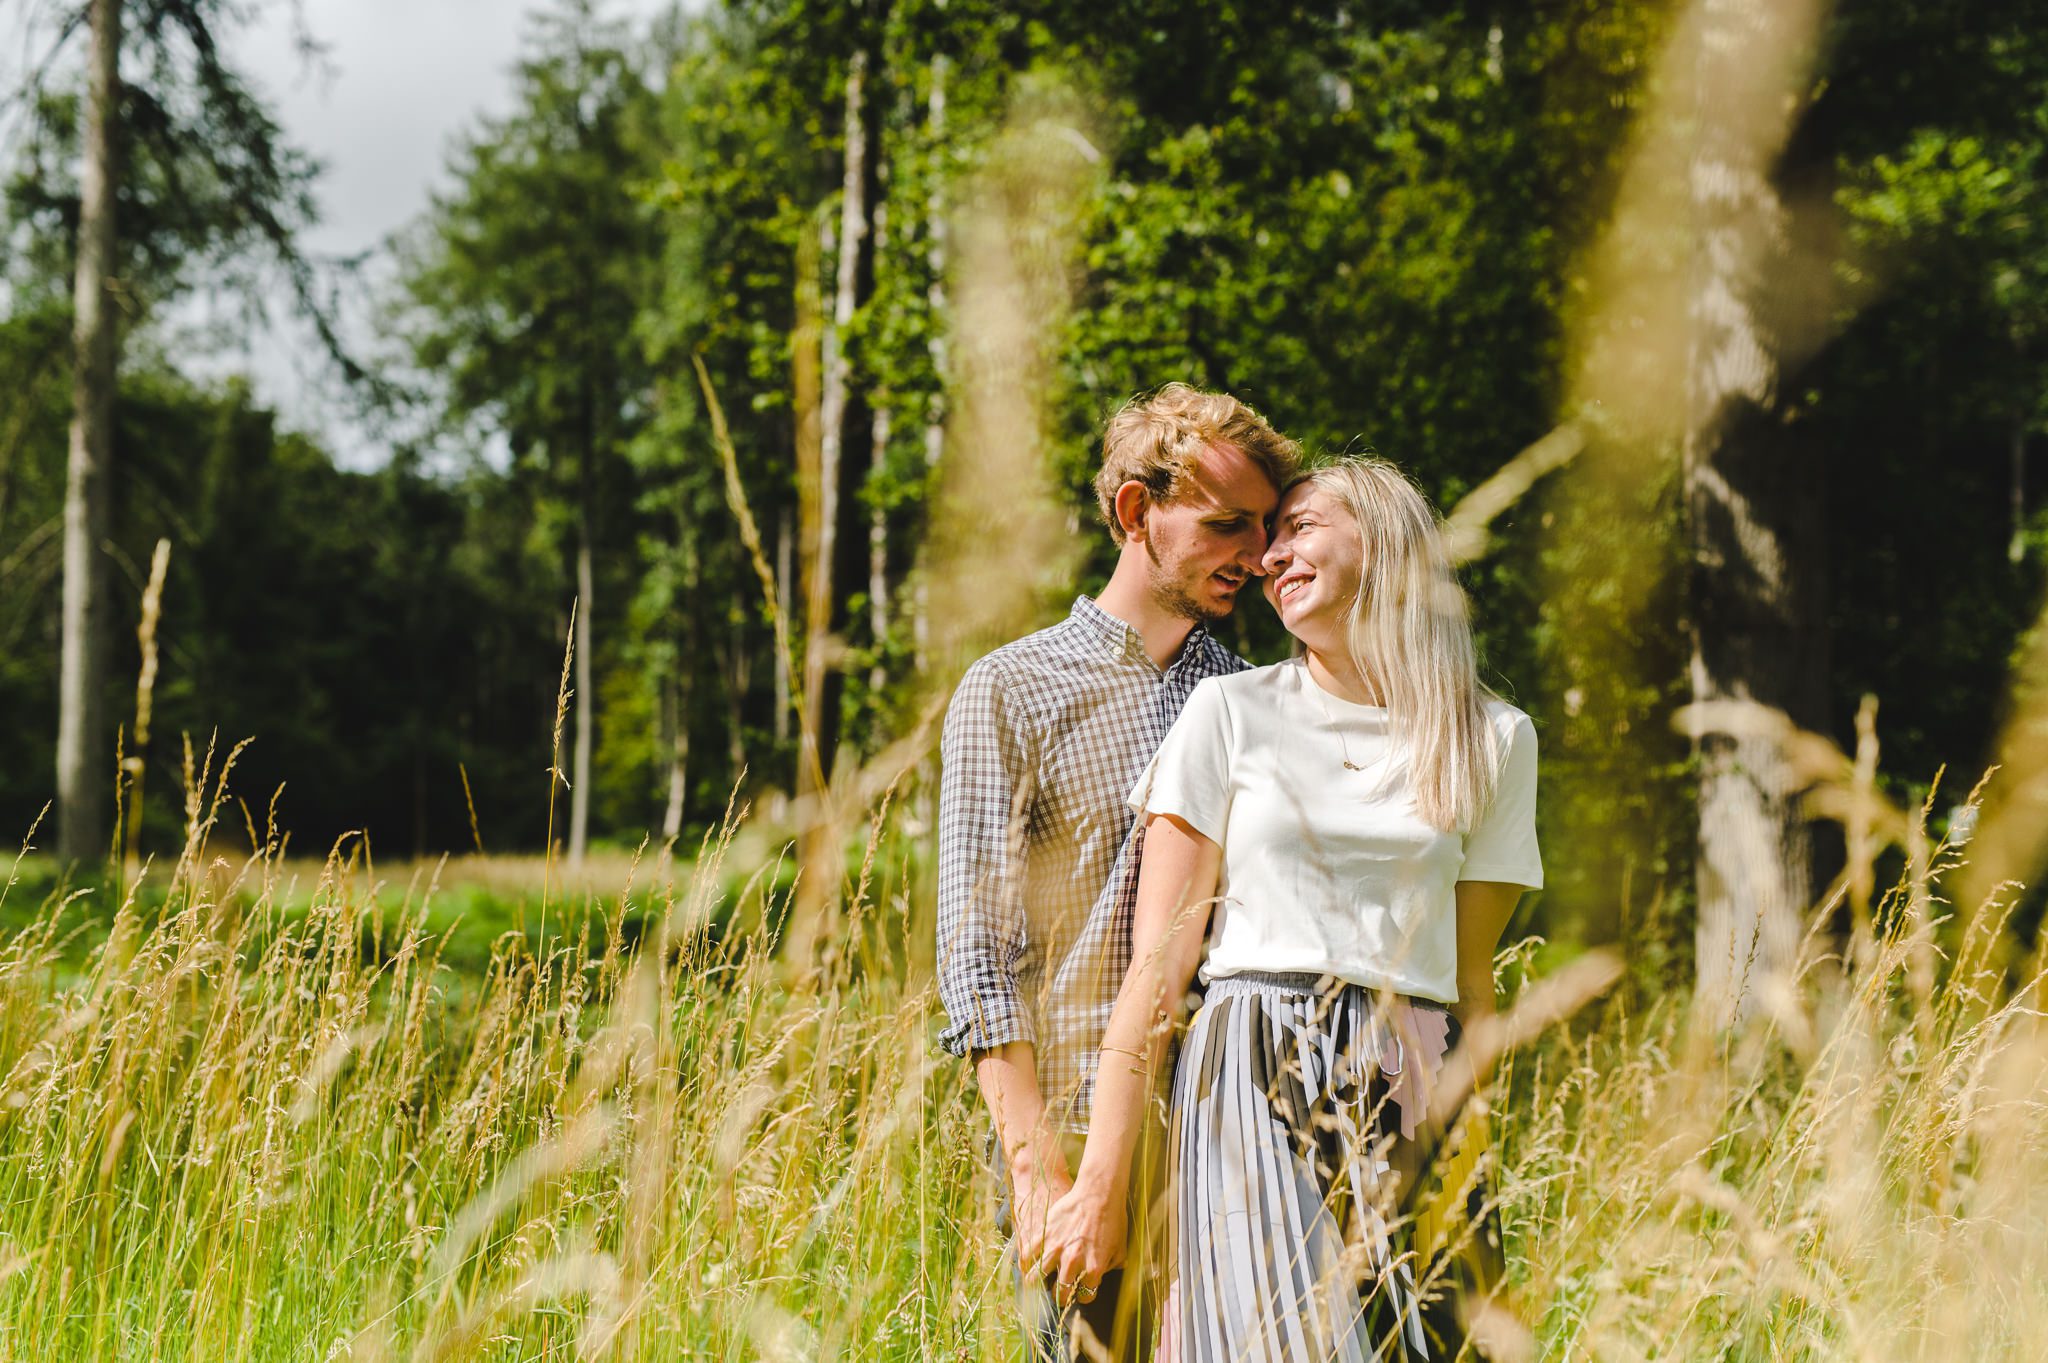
1410,636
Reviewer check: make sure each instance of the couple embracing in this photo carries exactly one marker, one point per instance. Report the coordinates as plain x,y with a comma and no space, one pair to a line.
1320,856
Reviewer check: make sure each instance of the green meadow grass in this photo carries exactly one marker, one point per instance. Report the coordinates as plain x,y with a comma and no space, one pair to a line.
260,1109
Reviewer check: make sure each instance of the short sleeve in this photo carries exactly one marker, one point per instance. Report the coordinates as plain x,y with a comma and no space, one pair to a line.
1189,777
1502,843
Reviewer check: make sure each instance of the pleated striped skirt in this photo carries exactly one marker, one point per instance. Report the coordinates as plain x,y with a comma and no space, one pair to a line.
1290,1094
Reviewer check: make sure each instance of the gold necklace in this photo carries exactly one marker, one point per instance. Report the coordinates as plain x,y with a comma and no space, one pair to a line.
1323,702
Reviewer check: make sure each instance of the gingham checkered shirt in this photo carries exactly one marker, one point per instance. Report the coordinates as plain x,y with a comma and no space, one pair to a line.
1037,856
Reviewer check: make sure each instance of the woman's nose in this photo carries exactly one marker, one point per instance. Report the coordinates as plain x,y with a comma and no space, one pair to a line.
1278,556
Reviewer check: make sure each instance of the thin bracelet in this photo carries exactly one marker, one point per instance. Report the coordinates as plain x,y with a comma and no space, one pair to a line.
1144,1064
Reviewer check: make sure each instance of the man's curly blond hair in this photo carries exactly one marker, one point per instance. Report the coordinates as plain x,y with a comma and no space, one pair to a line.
1156,438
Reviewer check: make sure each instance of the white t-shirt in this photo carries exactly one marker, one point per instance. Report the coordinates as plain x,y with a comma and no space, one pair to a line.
1327,870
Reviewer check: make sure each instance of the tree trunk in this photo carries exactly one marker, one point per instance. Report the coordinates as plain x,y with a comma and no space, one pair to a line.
878,558
1754,512
835,375
2016,544
878,515
579,788
822,471
785,596
935,329
681,686
738,677
81,828
678,707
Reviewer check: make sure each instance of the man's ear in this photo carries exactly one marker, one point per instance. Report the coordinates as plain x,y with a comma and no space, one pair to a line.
1133,503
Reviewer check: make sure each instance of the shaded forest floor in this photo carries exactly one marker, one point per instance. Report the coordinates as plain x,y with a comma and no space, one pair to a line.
468,903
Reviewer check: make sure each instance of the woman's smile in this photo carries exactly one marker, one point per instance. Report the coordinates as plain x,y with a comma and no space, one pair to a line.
1285,588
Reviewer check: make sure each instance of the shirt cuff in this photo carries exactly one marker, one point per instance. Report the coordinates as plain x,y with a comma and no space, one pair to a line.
996,1022
1525,876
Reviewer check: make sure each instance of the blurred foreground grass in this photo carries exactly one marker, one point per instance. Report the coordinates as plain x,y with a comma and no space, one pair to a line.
275,1110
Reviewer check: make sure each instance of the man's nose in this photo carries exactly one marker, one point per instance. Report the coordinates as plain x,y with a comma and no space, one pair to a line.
1253,555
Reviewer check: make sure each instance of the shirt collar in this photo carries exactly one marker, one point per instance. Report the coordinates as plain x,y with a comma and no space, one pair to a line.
1122,642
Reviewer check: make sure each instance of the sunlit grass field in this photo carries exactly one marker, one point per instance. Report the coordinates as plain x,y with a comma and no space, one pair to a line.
260,1109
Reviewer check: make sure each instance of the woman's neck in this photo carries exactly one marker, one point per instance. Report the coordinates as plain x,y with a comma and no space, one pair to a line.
1341,678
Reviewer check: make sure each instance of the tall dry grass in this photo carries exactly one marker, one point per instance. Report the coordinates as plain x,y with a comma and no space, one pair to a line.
241,1131
1860,1172
244,1131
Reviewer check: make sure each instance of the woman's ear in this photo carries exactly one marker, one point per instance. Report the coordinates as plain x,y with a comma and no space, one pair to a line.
1133,502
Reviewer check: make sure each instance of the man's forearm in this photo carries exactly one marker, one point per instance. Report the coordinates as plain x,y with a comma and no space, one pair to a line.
1008,1075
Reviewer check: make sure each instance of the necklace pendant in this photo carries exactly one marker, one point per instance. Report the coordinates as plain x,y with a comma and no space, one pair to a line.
1350,765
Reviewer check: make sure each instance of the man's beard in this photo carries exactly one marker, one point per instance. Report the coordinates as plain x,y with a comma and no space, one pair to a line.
1176,600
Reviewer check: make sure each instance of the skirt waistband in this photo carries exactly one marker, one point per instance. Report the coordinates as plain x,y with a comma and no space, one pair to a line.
1304,982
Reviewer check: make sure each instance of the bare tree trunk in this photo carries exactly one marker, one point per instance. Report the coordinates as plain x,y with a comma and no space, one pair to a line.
678,706
923,800
878,555
1754,512
738,677
821,471
835,379
878,515
681,686
785,576
579,790
2016,545
935,301
81,828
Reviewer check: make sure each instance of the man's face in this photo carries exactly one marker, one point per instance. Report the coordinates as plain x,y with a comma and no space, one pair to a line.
1206,543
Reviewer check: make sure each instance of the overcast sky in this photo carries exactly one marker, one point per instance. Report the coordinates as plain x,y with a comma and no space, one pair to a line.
397,81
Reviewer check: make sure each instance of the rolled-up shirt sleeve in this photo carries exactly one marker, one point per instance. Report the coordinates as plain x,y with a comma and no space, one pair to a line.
985,788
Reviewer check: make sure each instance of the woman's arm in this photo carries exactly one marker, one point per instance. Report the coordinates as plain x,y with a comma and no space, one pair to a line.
1484,907
1085,1231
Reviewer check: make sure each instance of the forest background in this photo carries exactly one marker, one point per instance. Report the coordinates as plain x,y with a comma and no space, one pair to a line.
1376,226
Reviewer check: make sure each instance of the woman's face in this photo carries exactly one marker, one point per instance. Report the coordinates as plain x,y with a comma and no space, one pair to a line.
1313,566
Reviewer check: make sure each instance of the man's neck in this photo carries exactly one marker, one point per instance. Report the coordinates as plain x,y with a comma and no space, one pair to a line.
1128,598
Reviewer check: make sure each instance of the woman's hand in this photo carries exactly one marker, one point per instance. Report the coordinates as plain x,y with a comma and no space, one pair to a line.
1085,1233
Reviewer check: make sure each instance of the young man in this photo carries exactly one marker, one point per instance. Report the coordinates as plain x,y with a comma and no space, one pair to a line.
1037,869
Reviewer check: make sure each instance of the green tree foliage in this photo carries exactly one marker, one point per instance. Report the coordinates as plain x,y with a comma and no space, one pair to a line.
374,632
1372,222
525,288
211,192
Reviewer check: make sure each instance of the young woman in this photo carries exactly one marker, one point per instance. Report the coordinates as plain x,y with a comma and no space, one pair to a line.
1337,842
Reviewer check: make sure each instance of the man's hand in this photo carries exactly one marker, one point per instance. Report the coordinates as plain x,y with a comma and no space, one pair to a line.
1085,1234
1038,1180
